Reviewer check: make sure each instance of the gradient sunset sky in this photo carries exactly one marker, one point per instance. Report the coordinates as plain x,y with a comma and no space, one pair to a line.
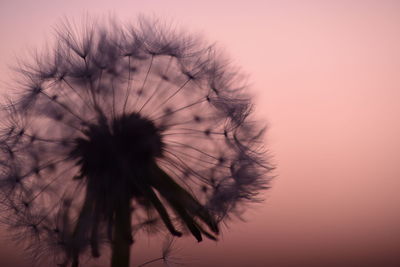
326,81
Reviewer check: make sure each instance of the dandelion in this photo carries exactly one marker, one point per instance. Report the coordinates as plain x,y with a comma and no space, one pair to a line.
123,129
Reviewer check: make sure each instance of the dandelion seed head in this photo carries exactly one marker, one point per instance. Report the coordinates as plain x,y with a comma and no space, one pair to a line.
142,123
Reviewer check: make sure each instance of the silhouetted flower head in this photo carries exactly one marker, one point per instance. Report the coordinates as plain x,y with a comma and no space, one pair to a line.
119,129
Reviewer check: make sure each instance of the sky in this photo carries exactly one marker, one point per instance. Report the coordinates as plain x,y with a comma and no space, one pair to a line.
325,76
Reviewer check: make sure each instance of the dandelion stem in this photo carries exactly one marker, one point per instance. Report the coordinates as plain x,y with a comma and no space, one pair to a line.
122,238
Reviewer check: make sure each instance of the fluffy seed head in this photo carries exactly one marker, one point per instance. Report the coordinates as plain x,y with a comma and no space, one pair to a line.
141,117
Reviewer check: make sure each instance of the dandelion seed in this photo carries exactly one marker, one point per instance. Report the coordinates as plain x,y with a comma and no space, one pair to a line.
119,130
167,256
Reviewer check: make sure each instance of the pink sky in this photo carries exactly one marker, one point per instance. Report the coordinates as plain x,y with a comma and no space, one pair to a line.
326,76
